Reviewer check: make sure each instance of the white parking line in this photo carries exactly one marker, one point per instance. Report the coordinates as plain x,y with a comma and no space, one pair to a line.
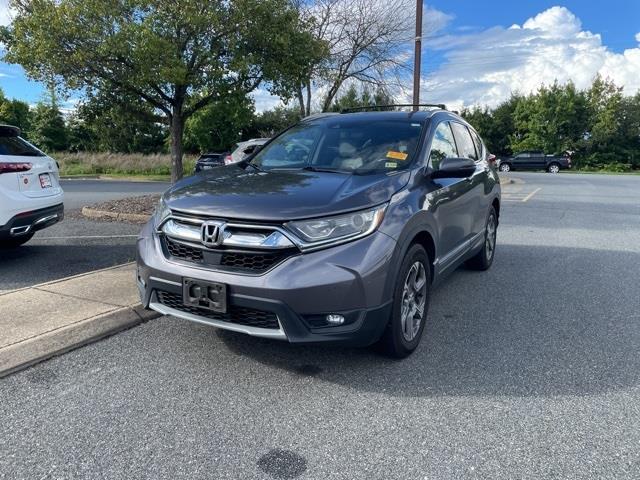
531,194
86,236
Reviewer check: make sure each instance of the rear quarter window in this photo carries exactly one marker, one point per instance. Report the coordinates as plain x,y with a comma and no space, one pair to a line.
16,146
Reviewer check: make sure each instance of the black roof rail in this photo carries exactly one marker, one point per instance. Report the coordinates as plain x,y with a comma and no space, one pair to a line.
441,106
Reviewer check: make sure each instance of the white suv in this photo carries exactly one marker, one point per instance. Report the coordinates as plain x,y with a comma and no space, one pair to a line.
30,193
244,149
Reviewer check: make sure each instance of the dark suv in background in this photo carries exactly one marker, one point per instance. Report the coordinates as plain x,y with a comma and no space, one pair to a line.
535,160
335,231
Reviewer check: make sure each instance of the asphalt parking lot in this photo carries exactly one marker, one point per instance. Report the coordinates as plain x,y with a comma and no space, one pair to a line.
529,370
76,245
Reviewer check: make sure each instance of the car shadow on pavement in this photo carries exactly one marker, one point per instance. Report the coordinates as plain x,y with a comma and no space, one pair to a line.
544,321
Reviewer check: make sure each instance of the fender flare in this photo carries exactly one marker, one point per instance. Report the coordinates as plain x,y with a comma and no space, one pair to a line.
420,223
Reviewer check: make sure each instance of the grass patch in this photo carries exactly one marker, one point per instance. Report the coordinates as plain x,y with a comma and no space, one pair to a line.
155,166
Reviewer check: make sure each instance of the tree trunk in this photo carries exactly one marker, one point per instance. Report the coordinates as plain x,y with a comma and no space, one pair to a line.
176,129
331,95
308,97
301,101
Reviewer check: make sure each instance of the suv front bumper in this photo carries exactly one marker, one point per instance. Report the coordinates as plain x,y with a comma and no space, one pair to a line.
348,279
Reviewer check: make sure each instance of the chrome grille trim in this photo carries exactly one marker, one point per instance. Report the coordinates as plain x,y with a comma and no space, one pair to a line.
188,230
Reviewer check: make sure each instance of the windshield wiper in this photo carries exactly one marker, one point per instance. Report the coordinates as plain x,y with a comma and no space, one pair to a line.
311,168
254,166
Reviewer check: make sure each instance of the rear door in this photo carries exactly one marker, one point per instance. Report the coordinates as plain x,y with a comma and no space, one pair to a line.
474,194
522,161
538,161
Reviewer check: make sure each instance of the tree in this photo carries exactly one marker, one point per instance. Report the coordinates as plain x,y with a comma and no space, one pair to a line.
103,122
14,112
218,126
553,120
365,41
271,122
48,130
177,56
353,98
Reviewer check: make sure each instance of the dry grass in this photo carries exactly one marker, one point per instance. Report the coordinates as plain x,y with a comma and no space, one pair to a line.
89,163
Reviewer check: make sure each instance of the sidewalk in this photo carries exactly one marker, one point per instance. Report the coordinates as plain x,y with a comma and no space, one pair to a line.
45,320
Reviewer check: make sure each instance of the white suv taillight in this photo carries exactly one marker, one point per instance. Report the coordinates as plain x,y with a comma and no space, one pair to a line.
12,167
228,159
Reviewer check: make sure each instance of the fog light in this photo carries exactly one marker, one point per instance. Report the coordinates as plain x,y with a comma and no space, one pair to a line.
334,319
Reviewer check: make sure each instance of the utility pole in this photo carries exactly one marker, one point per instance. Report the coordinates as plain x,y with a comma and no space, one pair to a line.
417,56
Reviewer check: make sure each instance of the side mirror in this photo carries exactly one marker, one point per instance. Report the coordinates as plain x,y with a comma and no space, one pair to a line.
455,168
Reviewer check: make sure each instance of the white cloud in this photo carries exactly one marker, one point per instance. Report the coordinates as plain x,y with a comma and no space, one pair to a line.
5,13
638,37
486,67
264,100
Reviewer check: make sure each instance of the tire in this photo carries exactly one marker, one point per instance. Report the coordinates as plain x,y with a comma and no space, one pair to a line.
553,168
400,338
504,167
14,242
484,258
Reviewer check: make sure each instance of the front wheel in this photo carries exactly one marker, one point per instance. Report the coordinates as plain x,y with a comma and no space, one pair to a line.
484,258
410,305
553,168
14,242
505,167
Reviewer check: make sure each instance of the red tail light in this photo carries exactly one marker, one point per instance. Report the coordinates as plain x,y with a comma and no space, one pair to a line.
228,159
12,167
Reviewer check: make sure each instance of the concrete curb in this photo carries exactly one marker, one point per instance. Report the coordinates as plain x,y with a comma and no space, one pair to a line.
121,217
37,349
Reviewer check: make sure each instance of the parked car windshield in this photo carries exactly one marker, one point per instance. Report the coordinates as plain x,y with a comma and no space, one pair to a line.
18,147
348,146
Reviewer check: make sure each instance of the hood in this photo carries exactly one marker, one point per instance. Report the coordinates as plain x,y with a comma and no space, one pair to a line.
234,193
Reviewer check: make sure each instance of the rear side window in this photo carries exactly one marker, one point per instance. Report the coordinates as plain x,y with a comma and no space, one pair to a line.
478,143
18,147
442,146
466,149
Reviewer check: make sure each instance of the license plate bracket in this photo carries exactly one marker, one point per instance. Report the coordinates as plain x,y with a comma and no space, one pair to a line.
208,295
45,180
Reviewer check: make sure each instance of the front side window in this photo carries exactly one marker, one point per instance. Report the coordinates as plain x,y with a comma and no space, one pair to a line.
466,149
344,145
18,147
442,146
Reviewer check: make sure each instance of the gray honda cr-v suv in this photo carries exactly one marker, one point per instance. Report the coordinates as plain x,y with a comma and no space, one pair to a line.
335,231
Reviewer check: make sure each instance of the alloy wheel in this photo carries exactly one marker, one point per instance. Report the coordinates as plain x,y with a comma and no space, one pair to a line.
414,297
490,237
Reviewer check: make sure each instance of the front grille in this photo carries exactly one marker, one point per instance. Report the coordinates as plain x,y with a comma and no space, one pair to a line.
249,261
179,250
238,315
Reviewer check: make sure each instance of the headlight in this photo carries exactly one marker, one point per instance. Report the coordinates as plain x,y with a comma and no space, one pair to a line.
329,230
161,213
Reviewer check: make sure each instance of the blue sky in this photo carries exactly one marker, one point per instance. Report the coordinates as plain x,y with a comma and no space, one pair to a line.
617,21
480,52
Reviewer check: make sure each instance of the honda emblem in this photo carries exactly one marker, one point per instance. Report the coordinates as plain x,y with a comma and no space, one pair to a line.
212,234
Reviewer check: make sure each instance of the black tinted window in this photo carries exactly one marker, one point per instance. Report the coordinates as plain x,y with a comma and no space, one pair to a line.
19,147
443,145
466,149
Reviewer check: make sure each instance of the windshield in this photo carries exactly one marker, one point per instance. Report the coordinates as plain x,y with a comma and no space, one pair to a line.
18,147
360,146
